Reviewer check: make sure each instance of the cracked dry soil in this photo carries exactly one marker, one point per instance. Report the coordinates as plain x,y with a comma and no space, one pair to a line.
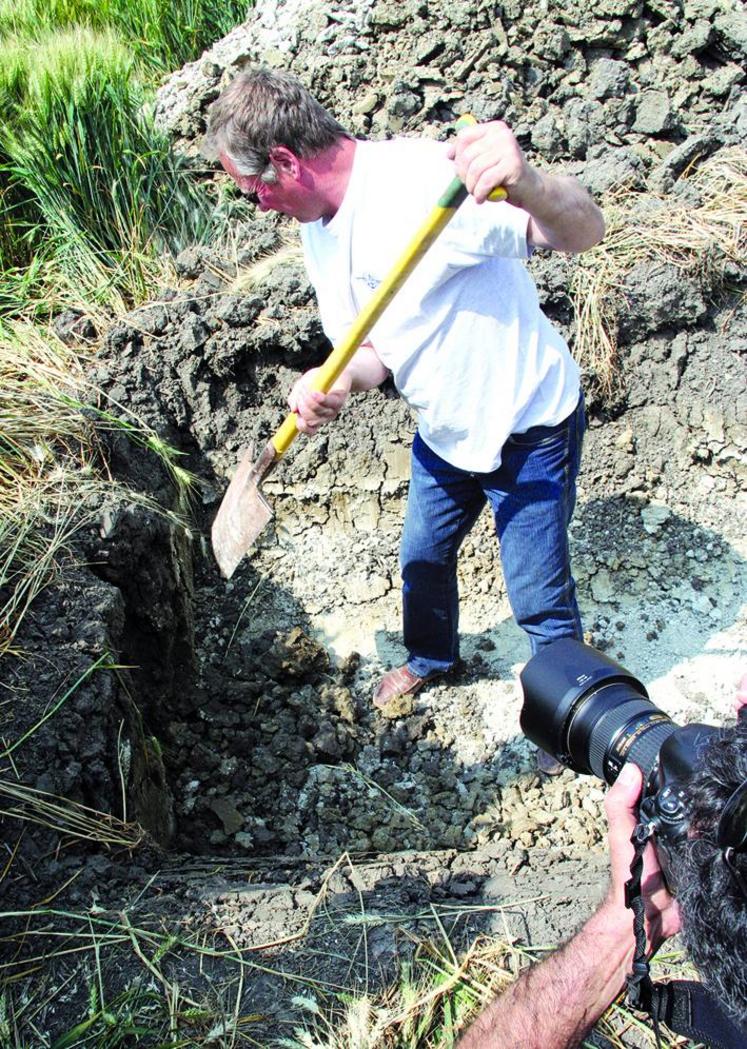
281,809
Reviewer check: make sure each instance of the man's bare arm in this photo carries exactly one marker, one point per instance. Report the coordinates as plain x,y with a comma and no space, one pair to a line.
554,1004
364,372
562,215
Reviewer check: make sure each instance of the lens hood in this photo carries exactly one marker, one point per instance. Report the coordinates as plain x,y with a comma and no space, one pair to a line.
555,681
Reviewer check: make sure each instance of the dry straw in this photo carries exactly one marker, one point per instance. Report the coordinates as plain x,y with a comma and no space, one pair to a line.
53,476
702,239
66,817
288,253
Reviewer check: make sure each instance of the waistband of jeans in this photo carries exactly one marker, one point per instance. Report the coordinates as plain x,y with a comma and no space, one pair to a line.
539,433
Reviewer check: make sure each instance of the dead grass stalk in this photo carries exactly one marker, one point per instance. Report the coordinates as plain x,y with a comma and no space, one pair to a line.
702,239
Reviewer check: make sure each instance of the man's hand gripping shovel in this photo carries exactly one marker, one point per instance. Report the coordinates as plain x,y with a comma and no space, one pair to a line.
244,511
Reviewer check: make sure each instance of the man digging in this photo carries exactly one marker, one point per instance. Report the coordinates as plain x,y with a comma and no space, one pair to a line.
495,389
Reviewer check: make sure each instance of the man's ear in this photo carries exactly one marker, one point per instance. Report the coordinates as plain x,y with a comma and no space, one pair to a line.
285,160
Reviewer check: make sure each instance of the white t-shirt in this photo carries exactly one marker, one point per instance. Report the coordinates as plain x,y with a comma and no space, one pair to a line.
467,344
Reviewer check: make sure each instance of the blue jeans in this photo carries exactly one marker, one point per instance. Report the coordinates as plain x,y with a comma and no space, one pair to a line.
532,495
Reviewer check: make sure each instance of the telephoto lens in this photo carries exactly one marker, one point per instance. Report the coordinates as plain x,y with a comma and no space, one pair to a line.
590,712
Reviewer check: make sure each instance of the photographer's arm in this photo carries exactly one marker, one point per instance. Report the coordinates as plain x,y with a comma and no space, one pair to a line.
554,1004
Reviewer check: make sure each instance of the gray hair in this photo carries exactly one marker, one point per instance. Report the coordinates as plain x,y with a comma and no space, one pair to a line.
264,109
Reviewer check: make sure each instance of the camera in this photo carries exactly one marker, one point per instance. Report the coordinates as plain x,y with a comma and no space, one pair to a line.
593,715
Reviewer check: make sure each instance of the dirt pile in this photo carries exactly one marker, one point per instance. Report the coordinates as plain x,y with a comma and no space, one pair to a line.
255,750
238,723
614,84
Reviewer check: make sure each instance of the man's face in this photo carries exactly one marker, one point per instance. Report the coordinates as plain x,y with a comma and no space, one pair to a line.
286,195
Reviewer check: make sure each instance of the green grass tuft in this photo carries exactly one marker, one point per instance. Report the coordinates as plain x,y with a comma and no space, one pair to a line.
90,188
161,34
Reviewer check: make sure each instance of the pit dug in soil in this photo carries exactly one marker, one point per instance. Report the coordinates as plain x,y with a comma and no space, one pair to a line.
299,844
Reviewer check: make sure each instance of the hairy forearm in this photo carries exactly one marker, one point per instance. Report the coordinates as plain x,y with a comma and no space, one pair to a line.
365,370
554,1004
563,215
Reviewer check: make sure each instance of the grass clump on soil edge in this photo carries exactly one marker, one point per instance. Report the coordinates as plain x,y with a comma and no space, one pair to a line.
93,205
53,474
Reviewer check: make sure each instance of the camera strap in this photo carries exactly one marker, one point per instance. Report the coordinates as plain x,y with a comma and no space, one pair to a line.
639,985
687,1009
683,1005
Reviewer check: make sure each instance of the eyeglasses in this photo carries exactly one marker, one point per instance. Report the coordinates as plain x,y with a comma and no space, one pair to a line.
732,833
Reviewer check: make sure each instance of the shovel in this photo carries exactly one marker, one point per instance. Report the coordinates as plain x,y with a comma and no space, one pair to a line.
244,511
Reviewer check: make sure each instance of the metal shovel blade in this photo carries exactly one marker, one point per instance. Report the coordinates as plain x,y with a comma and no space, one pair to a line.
244,511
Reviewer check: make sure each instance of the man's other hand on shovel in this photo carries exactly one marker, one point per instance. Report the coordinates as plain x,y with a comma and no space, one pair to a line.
313,409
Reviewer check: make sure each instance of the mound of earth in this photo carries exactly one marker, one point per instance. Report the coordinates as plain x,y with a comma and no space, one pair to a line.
232,720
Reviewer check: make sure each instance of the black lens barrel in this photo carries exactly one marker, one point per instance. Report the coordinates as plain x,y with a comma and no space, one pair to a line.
589,711
637,735
554,681
605,714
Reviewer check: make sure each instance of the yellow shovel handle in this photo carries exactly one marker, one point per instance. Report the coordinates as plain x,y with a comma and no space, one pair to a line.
454,194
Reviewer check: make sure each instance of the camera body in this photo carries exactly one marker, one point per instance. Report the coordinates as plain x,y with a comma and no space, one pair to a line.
663,798
593,715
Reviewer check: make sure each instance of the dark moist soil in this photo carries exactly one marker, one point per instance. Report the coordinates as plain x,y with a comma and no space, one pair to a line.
232,720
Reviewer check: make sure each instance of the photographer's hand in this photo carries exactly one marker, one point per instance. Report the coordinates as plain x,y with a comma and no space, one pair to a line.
621,805
553,1005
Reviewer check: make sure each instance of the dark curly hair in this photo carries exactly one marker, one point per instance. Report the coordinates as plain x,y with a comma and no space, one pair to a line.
713,907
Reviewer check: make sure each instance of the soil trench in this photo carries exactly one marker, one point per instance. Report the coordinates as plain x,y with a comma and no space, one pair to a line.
232,720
